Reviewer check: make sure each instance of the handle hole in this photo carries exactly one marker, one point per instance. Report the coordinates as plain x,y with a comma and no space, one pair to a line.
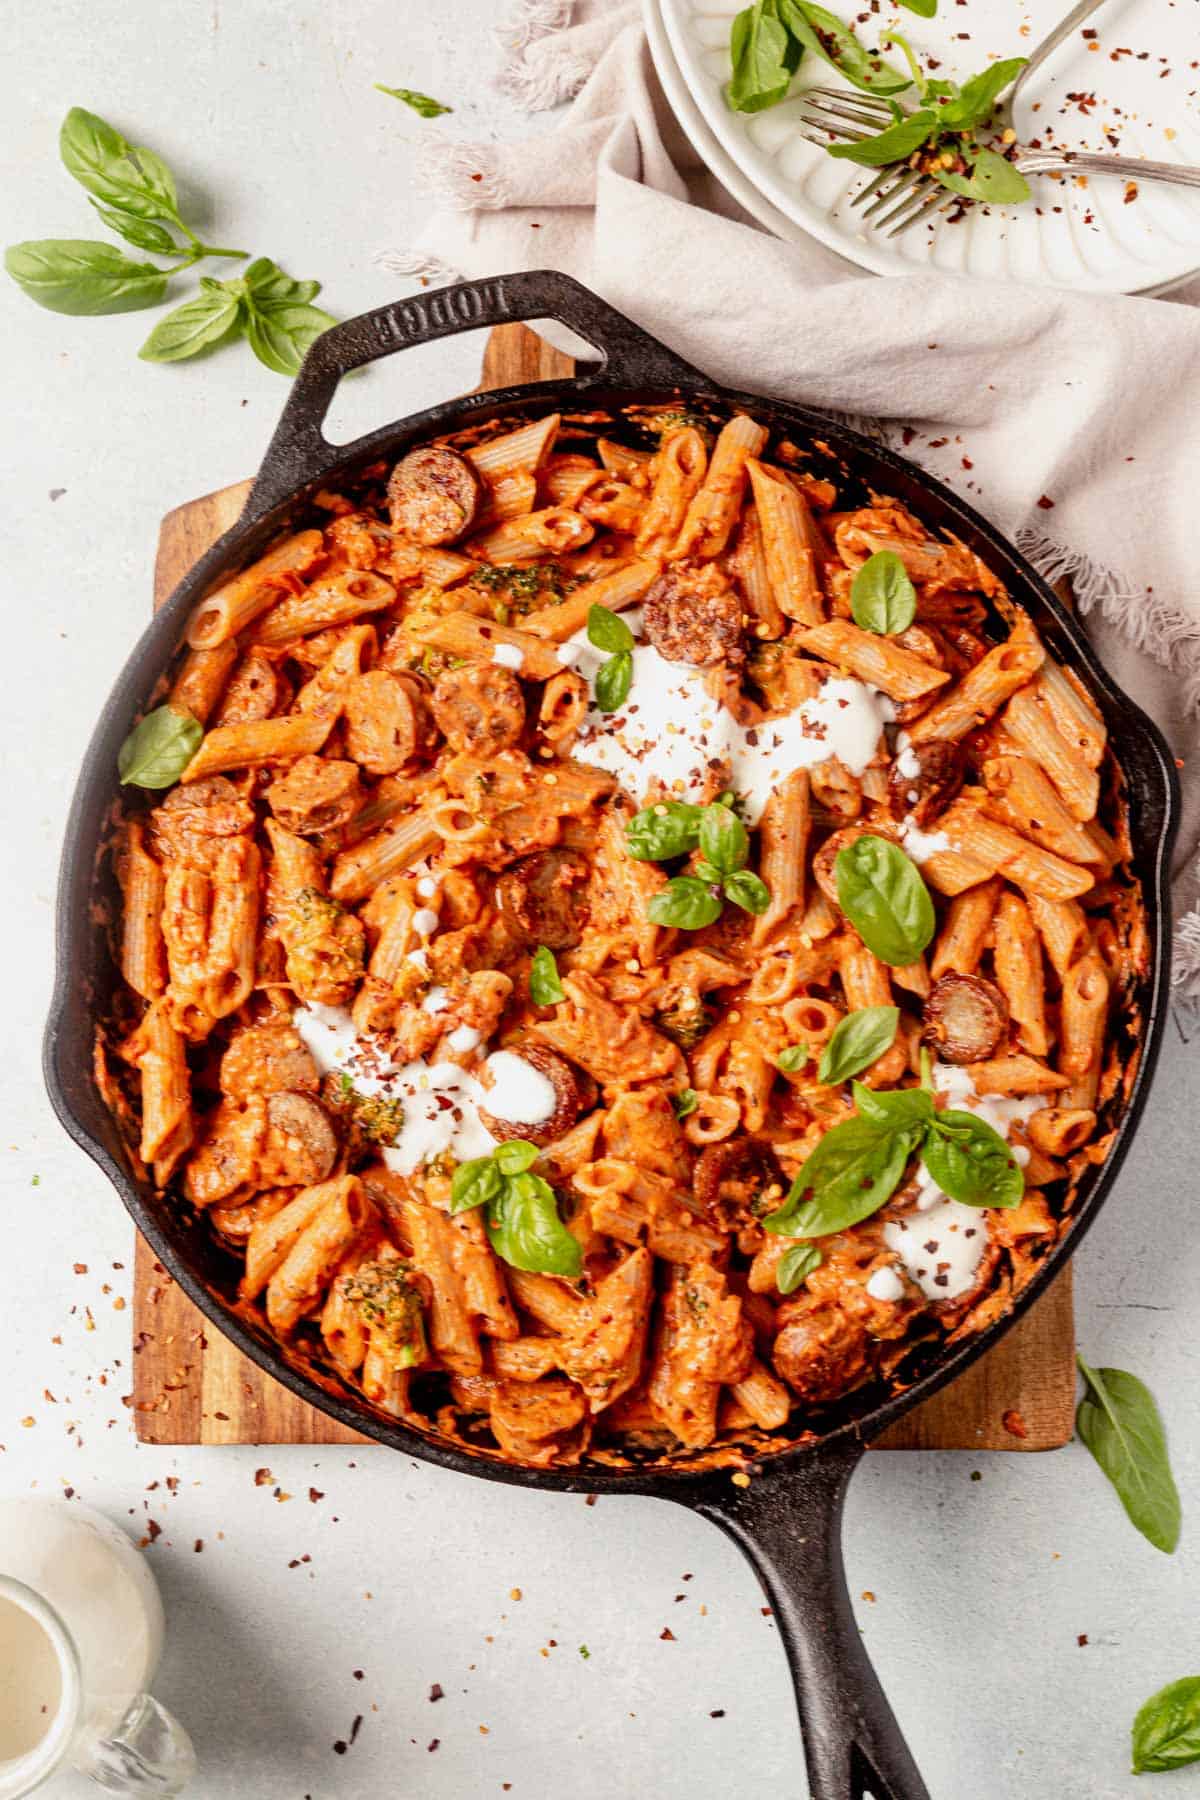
426,374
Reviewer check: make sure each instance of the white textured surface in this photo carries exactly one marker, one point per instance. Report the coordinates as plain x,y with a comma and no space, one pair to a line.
981,1587
1131,86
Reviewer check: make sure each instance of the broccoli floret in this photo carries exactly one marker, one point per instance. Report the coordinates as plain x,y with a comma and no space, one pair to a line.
686,1022
389,1302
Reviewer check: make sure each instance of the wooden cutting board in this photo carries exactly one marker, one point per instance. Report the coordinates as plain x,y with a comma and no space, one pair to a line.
191,1386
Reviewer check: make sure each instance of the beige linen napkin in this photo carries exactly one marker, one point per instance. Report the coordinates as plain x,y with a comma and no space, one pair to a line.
1071,420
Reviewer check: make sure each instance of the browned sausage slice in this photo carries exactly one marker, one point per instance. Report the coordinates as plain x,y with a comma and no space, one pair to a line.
924,778
479,707
543,899
433,495
735,1182
965,1018
821,1351
381,727
692,615
301,1147
316,794
267,1059
574,1093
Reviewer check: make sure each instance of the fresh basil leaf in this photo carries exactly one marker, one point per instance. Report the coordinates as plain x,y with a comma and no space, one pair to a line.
420,103
515,1156
613,681
77,276
882,598
660,832
281,336
747,890
143,234
159,748
271,287
793,1058
196,325
685,1102
100,159
854,1169
545,988
474,1183
992,177
895,144
976,99
723,839
971,1162
826,36
881,892
705,871
860,1038
926,8
759,51
899,1109
525,1229
1166,1731
796,1265
1120,1424
685,903
607,630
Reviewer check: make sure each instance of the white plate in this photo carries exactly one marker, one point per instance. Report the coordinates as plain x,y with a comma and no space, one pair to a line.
1068,235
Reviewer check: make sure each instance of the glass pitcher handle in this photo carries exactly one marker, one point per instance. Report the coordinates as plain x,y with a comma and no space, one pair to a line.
148,1753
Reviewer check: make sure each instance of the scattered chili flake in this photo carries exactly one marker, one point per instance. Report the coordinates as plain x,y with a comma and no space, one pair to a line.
198,1546
263,1477
868,1596
1082,1639
356,1727
1014,1424
315,1494
437,1691
967,463
718,1712
590,1499
1131,191
341,1747
907,435
667,1635
433,1743
81,1268
1045,502
358,1674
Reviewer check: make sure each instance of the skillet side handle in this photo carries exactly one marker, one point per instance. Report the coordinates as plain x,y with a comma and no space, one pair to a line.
788,1523
300,453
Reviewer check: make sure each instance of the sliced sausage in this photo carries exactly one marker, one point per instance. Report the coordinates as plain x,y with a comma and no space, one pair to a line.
965,1018
256,690
301,1147
924,778
212,808
479,707
821,1351
381,727
543,899
317,793
736,1181
433,495
574,1093
268,1059
692,615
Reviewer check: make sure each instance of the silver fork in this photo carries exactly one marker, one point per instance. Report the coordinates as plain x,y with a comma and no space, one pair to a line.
911,195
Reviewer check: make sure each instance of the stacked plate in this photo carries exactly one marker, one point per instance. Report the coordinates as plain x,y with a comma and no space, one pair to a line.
1131,84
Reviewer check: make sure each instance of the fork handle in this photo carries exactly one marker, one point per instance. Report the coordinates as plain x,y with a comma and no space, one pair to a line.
1050,43
1088,162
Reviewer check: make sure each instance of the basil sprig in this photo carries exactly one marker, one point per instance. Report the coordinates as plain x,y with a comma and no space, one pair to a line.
815,28
858,1166
861,1037
1166,1731
882,598
793,1058
422,103
159,748
1119,1423
881,892
608,631
689,902
684,1103
523,1222
545,988
796,1265
133,192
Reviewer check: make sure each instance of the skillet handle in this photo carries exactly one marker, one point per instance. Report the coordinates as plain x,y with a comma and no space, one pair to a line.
300,453
788,1523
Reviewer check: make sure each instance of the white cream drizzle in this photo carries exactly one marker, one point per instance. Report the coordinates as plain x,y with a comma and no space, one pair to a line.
517,1091
509,656
940,1242
920,845
672,730
425,921
885,1284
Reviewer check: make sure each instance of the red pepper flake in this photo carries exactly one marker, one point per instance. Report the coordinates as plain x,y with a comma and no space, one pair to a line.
1046,503
81,1268
356,1727
667,1635
967,463
358,1674
341,1747
1014,1424
1088,32
315,1494
907,435
590,1499
263,1477
433,1744
937,443
437,1691
1082,1639
1131,191
198,1546
718,1712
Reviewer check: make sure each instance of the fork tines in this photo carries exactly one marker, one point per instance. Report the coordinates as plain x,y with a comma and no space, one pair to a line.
908,194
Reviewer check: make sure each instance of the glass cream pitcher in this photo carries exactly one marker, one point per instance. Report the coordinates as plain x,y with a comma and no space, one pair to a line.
81,1628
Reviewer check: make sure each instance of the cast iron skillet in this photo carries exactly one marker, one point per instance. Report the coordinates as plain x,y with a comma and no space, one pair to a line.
787,1520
